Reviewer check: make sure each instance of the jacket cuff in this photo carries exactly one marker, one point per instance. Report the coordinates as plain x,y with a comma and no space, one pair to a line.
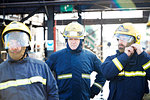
94,90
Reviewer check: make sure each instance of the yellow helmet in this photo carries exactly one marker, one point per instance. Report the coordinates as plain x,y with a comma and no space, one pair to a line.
74,30
148,24
148,28
128,29
16,26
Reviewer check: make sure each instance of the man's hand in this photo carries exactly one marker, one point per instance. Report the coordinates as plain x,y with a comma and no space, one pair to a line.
129,51
137,48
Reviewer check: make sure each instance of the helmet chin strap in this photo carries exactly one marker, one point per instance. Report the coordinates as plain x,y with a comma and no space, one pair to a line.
24,54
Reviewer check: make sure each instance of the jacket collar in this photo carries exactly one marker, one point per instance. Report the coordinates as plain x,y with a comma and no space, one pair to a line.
132,60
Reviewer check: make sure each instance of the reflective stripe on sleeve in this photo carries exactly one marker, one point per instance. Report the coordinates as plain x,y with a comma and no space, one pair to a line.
20,82
146,66
38,79
86,76
98,85
64,76
132,73
118,64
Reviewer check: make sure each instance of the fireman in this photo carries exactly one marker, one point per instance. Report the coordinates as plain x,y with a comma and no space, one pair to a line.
129,68
73,66
22,77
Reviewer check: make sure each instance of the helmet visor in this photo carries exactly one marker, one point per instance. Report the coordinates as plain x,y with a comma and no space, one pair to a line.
16,39
126,38
73,34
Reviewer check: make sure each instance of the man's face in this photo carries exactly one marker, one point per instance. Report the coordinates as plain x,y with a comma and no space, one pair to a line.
121,45
123,42
15,51
73,43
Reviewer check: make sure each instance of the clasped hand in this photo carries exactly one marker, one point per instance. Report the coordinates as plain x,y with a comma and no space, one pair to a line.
134,47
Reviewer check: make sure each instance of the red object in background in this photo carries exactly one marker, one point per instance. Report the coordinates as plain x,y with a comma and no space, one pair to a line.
54,31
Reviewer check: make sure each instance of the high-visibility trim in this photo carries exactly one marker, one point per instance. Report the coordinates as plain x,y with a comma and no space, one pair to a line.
122,73
64,76
118,64
146,66
20,82
132,73
86,76
98,85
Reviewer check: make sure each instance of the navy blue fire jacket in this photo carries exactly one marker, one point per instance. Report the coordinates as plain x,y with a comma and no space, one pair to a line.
29,79
127,75
73,69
